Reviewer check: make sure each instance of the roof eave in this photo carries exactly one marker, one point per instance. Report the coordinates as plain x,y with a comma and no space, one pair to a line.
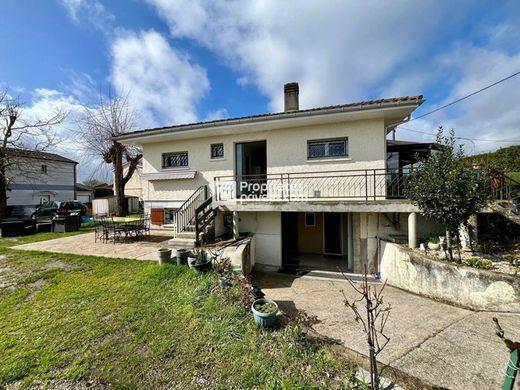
140,134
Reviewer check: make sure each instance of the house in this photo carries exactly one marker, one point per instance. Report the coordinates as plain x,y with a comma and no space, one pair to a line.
35,177
84,194
315,188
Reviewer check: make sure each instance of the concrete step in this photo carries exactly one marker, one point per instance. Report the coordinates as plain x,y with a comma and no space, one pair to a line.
184,243
508,210
190,235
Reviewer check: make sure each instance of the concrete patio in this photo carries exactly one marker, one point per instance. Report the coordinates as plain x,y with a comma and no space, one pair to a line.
84,244
441,344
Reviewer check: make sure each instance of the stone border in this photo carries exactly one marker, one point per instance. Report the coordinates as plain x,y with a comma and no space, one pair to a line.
457,284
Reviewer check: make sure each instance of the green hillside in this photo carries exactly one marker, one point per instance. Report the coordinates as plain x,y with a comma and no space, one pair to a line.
504,159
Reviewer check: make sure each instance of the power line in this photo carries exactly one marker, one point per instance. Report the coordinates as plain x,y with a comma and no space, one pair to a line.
465,138
467,96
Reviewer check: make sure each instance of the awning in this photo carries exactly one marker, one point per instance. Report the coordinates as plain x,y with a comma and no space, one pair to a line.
169,175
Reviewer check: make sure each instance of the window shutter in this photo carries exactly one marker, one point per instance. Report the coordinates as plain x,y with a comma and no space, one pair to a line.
157,216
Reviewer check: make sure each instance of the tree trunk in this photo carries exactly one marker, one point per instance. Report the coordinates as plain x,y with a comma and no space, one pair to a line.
119,185
3,193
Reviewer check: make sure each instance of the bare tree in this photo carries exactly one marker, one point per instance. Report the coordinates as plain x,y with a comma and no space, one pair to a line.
21,132
98,126
373,320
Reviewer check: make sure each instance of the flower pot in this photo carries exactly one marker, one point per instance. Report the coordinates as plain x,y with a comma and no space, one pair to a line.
182,256
265,320
434,246
165,255
200,268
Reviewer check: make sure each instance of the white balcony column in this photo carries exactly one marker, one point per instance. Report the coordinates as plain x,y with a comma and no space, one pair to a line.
350,242
412,230
236,230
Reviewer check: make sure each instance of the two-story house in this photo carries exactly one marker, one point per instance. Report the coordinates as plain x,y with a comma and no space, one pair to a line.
315,187
35,177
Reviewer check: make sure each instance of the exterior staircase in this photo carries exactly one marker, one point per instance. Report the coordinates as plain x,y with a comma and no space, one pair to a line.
506,197
194,221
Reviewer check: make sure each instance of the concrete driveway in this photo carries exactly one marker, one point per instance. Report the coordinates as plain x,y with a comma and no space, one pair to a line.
441,344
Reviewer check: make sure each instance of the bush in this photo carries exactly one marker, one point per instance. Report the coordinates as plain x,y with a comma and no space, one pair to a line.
478,263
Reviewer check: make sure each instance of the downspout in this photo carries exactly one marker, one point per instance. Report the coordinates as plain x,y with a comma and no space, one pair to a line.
75,195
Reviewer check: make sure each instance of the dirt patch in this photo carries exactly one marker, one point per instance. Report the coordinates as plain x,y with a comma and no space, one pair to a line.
35,287
57,264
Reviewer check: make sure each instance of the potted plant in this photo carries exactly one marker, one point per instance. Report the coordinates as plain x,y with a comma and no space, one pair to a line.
165,255
434,243
199,260
264,312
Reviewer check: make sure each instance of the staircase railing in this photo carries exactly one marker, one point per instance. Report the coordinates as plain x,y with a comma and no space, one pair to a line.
185,215
204,218
504,187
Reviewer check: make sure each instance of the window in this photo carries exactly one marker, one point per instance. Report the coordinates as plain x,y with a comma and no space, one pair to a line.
175,160
310,219
217,150
44,168
327,148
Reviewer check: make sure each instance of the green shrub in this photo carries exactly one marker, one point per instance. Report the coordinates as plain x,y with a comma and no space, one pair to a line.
478,263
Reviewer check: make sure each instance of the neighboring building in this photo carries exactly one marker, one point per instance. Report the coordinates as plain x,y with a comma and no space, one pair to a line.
36,177
134,186
84,194
317,187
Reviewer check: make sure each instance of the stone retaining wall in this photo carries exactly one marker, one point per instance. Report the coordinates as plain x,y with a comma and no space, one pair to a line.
464,286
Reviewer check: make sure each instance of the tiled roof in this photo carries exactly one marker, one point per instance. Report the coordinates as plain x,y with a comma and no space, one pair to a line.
38,155
363,105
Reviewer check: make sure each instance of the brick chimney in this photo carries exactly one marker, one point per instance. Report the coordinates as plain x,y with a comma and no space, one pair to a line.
291,92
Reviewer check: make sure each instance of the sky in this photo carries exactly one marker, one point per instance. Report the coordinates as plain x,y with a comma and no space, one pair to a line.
188,61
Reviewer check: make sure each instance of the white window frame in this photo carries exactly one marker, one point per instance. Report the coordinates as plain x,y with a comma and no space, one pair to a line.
326,143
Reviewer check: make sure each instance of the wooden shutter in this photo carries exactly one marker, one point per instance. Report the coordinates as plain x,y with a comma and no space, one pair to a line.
157,216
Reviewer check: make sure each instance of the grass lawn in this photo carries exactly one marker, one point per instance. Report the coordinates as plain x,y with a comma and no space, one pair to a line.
135,324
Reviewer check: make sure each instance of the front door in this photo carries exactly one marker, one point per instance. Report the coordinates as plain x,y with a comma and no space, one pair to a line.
332,234
251,169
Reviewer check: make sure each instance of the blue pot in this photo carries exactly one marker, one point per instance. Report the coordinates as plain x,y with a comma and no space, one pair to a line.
265,320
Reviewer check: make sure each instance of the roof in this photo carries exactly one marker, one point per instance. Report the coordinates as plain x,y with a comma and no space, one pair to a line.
357,106
36,154
83,187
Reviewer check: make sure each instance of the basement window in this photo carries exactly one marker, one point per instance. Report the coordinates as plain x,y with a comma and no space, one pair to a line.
175,160
330,148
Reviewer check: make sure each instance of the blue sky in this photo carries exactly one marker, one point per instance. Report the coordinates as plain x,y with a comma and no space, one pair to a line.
185,61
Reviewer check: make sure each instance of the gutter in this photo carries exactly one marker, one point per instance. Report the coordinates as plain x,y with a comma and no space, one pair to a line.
262,118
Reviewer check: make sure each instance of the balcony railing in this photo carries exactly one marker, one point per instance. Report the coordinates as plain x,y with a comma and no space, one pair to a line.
368,184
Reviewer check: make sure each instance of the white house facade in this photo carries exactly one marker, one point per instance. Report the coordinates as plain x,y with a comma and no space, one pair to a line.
36,177
318,187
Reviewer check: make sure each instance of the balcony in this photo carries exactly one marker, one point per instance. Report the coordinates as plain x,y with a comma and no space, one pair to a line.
345,185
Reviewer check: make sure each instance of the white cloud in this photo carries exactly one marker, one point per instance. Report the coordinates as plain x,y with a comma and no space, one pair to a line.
489,115
92,11
43,104
337,50
161,81
214,115
343,51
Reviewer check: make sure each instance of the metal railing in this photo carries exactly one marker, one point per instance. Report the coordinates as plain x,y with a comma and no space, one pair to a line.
184,216
367,184
504,187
